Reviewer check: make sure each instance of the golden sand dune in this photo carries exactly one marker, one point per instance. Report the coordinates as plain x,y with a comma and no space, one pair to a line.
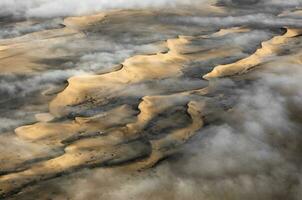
24,52
114,146
140,68
132,117
267,49
83,22
104,138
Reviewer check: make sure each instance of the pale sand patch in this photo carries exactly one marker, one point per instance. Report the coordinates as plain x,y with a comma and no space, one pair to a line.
44,117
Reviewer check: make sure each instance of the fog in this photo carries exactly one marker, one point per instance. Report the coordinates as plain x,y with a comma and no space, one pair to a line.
253,153
47,8
249,148
255,20
54,8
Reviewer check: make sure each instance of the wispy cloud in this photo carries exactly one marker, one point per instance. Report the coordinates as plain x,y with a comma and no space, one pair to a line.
51,8
253,154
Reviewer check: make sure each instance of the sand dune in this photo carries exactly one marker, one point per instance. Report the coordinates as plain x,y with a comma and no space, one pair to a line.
132,116
103,139
267,49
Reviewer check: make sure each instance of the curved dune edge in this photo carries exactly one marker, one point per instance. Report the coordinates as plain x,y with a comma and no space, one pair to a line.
167,146
268,49
25,51
139,69
134,115
127,137
111,149
116,138
83,21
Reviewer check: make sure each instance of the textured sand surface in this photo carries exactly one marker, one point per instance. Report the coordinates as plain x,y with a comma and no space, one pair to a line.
117,92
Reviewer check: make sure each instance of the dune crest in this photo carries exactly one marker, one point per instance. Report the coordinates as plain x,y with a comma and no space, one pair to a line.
121,135
267,49
123,90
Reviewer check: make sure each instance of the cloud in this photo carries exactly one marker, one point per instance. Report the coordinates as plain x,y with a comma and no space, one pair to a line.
10,30
52,8
260,20
278,3
253,153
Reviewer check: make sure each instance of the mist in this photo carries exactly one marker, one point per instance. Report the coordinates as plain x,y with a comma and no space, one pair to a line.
47,9
134,77
252,153
262,20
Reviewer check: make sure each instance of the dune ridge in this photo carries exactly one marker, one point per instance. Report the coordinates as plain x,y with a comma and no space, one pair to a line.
130,118
104,139
267,49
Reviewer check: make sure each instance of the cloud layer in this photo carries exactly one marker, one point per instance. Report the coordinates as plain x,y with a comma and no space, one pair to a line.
51,8
254,154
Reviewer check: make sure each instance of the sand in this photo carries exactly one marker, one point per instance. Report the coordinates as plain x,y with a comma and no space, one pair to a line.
128,135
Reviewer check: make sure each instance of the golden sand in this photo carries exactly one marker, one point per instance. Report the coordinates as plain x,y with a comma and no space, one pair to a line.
116,135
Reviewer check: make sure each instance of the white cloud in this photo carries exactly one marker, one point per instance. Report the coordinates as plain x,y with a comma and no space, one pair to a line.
51,8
